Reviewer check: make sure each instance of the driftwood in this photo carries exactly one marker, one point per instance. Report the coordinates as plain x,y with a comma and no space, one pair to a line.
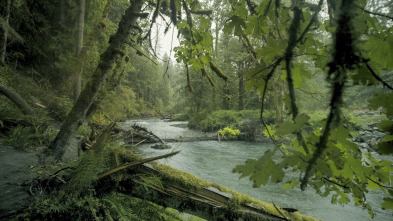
136,134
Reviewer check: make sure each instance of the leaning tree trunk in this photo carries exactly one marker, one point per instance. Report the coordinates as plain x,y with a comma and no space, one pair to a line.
16,98
76,116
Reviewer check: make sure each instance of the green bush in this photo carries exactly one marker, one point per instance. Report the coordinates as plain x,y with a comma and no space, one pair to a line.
229,133
213,121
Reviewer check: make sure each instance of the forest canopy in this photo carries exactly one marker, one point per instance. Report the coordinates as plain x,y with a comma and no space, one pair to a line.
77,62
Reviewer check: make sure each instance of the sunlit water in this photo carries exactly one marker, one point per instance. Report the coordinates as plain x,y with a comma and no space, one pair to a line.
214,161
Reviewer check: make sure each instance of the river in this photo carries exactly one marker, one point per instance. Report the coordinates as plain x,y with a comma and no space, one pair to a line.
214,161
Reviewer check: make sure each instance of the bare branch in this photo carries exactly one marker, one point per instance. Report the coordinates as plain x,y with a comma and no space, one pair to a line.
373,13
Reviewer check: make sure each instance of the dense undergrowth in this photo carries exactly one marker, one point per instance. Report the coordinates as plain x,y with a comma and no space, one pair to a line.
76,192
51,107
250,126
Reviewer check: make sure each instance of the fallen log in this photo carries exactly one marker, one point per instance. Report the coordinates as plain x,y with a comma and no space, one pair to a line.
186,193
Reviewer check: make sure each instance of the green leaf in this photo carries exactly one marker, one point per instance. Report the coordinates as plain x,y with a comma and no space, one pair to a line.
385,147
236,23
196,64
387,138
387,203
290,184
363,76
205,59
380,50
386,125
372,185
299,74
383,100
261,170
288,127
344,199
256,27
268,130
247,169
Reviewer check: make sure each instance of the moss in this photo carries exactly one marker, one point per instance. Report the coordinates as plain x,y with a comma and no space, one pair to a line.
218,71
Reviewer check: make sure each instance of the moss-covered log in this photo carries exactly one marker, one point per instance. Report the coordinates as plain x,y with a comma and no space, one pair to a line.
186,193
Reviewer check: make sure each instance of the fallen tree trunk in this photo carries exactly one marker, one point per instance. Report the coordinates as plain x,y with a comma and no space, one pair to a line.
186,193
16,99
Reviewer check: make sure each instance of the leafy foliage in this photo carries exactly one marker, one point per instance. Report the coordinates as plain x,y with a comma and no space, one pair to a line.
229,133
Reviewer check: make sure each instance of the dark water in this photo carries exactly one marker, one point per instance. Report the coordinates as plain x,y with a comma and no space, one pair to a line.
214,161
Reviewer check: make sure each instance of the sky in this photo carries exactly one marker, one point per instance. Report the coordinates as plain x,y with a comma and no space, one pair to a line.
165,39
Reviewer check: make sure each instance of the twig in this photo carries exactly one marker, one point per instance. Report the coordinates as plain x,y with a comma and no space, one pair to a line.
379,184
267,8
268,77
334,182
140,142
140,53
272,65
376,76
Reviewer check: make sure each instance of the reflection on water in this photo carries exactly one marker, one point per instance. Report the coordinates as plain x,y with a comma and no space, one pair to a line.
214,161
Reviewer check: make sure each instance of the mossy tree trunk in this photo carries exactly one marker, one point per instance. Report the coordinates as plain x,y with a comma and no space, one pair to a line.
76,116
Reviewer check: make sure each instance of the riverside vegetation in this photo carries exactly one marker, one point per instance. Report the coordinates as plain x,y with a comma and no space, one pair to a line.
315,77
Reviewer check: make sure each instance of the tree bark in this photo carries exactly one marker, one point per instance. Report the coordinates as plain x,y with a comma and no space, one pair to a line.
62,11
16,98
5,35
240,75
225,97
76,116
79,44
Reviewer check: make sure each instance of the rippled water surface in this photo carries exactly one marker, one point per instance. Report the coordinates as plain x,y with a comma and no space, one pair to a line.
214,161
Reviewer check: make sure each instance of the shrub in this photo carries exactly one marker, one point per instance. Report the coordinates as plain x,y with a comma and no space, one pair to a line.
229,133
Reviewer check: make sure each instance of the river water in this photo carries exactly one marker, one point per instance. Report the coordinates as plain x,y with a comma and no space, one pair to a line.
214,161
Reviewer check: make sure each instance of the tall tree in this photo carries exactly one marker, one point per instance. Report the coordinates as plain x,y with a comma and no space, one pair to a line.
79,44
76,116
6,30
